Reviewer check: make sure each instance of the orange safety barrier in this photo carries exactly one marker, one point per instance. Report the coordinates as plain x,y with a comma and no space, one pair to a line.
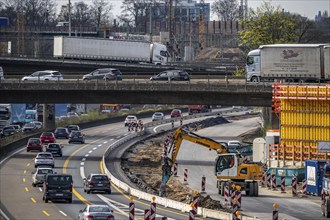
295,153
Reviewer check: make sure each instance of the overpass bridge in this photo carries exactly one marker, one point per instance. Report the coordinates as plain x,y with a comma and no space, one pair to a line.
137,92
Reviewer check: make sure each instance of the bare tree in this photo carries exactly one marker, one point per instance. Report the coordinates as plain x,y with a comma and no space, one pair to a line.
81,14
100,12
225,10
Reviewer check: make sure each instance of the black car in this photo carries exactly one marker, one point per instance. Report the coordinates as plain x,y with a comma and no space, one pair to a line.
61,133
104,73
55,149
97,182
57,187
172,75
76,136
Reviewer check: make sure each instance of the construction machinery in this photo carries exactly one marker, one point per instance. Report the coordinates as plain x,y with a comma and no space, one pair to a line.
230,168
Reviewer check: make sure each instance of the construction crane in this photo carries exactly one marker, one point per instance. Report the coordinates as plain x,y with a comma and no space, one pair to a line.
202,41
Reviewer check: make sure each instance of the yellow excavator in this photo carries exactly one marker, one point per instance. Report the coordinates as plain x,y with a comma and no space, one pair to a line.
230,168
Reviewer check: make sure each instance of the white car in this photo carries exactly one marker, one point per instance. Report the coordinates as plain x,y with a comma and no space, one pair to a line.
158,116
72,115
44,75
96,212
39,175
129,119
44,158
38,124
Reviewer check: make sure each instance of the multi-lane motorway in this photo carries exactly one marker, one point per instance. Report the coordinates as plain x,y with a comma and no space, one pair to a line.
20,200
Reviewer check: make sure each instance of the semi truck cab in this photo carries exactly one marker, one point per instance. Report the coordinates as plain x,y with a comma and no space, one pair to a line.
253,66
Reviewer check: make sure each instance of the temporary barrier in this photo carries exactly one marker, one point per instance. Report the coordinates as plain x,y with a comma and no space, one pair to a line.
153,211
191,215
203,184
227,198
273,181
268,180
185,177
195,204
239,199
263,180
282,184
304,184
275,212
294,186
175,169
232,195
131,211
288,173
146,214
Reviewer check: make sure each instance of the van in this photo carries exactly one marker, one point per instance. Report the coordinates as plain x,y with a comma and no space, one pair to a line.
2,77
57,187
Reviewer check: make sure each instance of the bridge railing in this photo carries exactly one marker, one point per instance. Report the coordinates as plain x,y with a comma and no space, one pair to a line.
224,85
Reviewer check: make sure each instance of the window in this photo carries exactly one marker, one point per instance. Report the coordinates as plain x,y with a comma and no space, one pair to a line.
225,162
100,178
99,209
250,60
60,180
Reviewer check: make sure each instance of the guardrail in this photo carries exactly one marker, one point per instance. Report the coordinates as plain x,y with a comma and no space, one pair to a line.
183,207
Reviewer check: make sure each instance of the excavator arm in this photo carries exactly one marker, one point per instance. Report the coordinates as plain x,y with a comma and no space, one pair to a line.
178,136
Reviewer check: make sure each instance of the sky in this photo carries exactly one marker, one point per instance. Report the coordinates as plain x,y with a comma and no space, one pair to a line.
308,8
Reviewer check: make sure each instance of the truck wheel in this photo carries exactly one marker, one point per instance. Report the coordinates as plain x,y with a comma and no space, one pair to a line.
256,189
46,200
255,79
327,208
251,189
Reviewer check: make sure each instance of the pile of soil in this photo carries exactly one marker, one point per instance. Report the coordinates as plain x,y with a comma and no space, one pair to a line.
142,164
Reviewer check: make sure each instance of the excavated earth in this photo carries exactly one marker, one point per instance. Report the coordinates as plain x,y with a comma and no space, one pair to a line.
142,164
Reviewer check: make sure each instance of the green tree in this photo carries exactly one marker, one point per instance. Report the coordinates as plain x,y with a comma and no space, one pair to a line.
268,25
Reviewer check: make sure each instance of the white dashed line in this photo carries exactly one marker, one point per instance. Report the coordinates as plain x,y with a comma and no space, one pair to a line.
63,213
40,189
99,145
118,137
94,148
105,142
111,139
82,163
83,159
90,151
86,155
82,172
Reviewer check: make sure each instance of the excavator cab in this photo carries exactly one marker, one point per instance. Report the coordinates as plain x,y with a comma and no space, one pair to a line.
226,165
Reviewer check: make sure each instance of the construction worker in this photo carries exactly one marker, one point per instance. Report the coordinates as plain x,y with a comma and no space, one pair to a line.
140,125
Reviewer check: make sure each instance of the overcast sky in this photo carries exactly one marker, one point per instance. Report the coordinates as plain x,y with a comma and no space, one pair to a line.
307,8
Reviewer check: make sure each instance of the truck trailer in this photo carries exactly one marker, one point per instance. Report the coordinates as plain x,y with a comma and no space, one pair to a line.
289,62
12,114
106,49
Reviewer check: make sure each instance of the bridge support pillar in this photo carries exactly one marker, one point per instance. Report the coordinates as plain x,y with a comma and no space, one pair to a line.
49,116
271,120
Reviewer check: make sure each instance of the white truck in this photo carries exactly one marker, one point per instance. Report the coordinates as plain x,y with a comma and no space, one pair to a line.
289,62
106,49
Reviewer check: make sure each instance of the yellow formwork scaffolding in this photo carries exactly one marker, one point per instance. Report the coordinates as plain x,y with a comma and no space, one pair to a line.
304,120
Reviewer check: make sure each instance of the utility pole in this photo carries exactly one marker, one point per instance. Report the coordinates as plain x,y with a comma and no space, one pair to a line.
202,41
20,28
69,18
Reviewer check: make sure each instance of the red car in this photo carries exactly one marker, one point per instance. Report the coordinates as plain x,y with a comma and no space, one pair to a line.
34,144
47,137
176,113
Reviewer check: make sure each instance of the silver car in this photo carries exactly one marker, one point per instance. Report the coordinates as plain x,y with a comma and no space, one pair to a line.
44,158
158,116
46,75
38,176
91,212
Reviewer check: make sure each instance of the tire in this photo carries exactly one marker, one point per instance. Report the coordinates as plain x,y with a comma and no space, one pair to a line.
34,185
251,189
70,200
256,189
327,208
255,79
88,191
35,166
46,200
109,192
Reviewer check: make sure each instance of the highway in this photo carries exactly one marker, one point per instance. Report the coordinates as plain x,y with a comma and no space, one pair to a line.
79,161
200,161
